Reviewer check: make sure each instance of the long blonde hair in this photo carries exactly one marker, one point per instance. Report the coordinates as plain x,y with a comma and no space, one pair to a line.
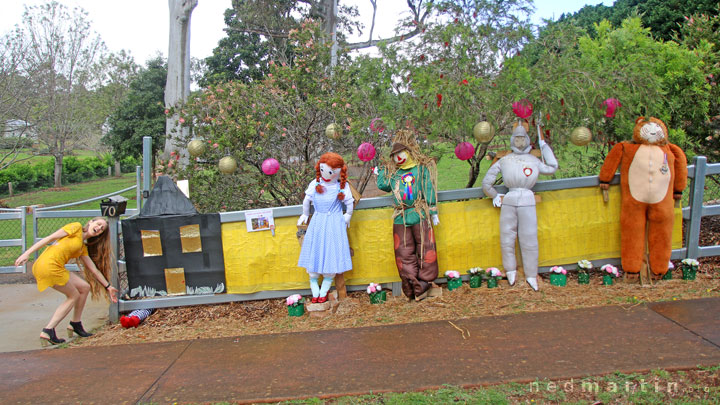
99,251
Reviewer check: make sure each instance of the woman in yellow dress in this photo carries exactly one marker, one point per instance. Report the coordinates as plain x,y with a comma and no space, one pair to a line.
89,243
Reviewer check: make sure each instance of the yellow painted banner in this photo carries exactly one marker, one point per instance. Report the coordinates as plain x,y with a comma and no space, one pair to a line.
573,224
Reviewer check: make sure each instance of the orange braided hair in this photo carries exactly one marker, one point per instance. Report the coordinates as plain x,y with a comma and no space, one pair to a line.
333,160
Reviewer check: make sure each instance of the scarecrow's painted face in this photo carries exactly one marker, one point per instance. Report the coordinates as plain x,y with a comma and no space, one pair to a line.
328,174
400,158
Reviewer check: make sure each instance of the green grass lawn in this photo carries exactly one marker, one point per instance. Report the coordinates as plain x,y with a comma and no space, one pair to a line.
76,192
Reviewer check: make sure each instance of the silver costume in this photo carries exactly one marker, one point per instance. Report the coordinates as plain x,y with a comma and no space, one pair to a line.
520,171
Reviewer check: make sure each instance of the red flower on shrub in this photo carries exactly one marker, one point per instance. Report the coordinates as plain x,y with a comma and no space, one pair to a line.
439,99
611,104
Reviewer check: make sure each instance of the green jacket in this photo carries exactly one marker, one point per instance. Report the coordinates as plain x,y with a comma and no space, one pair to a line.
405,184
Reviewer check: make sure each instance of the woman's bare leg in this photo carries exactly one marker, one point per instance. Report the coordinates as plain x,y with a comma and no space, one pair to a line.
84,289
61,312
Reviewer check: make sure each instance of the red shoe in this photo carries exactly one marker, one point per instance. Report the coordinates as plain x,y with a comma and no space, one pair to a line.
322,299
314,300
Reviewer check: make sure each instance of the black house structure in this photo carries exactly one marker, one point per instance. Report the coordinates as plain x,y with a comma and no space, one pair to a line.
170,249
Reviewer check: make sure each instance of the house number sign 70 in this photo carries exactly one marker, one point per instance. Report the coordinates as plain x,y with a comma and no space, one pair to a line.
109,210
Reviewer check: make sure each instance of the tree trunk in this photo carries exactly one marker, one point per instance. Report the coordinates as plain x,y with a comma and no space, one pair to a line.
177,87
330,7
475,164
58,170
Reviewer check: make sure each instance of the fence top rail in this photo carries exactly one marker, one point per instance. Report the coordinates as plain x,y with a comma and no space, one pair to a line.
711,168
7,210
447,195
11,215
80,213
466,193
88,200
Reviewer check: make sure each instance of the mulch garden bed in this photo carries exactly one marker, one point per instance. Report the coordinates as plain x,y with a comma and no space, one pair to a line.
271,316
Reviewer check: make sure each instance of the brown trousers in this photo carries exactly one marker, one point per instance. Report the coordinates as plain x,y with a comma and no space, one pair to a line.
415,256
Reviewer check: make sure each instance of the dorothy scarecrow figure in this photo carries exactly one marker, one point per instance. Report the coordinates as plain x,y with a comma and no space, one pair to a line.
412,179
520,170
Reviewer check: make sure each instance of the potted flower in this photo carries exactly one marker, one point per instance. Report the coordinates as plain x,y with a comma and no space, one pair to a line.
377,294
453,279
295,305
584,267
668,275
558,276
609,272
492,274
689,268
475,277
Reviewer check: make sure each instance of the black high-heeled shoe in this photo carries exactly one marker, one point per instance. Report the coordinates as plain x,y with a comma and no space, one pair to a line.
77,327
52,339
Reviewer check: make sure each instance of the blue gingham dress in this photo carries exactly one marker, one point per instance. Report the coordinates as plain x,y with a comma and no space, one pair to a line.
325,249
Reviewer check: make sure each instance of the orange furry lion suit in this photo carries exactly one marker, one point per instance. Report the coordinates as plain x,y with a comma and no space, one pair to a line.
653,173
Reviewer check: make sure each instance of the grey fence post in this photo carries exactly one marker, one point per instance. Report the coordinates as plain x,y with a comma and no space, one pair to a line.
35,229
23,237
697,190
147,164
397,288
114,310
138,189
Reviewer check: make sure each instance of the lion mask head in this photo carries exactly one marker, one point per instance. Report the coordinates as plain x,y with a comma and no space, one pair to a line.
650,132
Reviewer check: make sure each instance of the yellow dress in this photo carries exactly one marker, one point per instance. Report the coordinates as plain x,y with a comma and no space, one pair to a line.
49,269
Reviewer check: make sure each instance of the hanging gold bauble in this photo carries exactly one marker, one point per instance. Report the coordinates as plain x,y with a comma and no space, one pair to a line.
196,147
580,136
227,165
333,131
483,132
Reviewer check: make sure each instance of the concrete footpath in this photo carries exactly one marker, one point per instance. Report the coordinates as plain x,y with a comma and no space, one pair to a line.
24,311
409,357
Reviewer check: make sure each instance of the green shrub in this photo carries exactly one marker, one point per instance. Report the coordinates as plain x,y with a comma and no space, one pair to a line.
26,177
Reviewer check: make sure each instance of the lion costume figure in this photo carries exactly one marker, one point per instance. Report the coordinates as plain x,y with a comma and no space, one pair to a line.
653,173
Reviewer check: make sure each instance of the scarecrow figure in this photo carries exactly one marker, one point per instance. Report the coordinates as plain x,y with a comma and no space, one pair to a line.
412,179
520,170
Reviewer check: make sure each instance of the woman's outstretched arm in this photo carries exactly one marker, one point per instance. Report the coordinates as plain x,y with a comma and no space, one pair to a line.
23,258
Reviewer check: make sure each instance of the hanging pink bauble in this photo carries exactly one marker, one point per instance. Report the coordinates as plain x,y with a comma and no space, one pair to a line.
366,152
270,166
464,150
522,108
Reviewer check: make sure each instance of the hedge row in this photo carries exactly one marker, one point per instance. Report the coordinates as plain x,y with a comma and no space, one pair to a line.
28,177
